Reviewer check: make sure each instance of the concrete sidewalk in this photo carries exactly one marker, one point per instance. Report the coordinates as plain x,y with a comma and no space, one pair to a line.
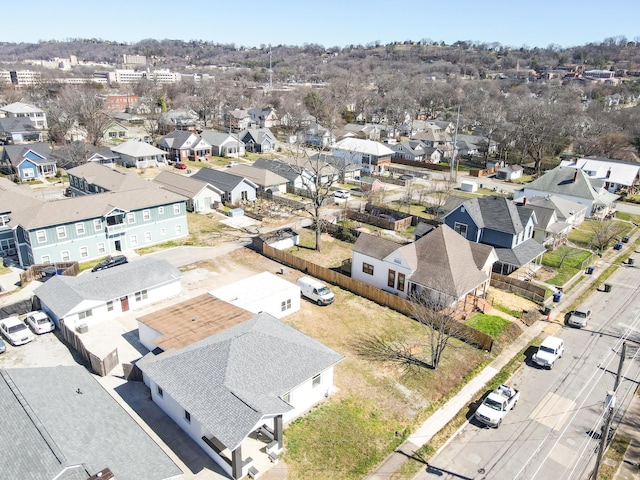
630,428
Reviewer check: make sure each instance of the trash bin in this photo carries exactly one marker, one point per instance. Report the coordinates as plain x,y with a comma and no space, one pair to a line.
630,261
547,309
589,270
557,296
618,246
626,239
607,287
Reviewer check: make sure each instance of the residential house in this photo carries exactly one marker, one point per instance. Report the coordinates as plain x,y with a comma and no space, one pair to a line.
259,140
371,156
22,110
238,120
28,162
318,136
432,155
435,136
224,144
345,169
263,292
566,211
367,131
266,180
19,130
235,188
248,379
65,425
408,270
91,226
474,145
182,145
572,184
134,153
78,153
264,117
409,150
92,177
370,184
15,201
617,175
548,230
510,172
177,120
302,172
115,132
94,297
201,197
499,222
296,175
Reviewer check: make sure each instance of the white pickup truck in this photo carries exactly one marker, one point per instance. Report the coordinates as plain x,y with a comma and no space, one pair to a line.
497,404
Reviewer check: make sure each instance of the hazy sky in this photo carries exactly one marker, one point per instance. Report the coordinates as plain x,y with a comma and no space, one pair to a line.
513,23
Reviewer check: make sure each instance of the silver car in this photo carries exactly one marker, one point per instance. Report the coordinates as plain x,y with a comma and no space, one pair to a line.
15,331
579,317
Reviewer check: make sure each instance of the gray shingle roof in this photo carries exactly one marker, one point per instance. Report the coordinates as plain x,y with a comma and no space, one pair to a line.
181,184
572,182
564,208
495,213
63,293
259,176
230,380
375,247
44,416
219,179
521,254
17,125
109,178
218,138
16,153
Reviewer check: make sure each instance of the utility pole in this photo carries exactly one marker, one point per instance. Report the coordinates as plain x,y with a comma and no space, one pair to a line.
610,403
452,171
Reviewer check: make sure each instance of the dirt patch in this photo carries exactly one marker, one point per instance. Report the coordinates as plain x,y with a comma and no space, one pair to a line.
497,297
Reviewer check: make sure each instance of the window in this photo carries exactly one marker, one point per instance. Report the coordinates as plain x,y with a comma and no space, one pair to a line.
97,225
178,229
367,268
41,236
146,215
401,280
187,416
141,295
64,256
84,252
147,237
62,232
85,314
161,210
133,240
101,248
160,392
286,305
461,228
80,228
45,259
391,279
131,217
529,231
176,209
317,380
110,306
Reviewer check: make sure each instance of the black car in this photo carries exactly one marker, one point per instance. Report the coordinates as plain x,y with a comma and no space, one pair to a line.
110,262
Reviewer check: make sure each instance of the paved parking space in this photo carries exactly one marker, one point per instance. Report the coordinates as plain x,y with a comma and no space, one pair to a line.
45,350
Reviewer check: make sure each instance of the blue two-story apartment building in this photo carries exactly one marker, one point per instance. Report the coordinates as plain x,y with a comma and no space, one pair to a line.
499,222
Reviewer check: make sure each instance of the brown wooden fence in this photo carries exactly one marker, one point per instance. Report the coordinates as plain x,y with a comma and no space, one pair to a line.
467,334
100,366
521,287
34,272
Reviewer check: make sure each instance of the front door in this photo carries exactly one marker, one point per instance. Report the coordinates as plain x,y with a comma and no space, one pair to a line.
118,246
124,304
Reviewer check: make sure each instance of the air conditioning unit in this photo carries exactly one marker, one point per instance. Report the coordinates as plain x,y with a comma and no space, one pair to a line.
3,253
11,251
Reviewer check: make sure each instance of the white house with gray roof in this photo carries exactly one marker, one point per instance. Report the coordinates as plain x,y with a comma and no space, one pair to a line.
371,156
224,144
93,297
236,188
617,175
134,153
253,376
201,196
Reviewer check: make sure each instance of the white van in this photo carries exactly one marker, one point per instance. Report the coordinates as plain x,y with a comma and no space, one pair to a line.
315,291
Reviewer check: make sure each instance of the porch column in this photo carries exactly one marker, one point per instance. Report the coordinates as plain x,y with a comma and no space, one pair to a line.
236,463
277,431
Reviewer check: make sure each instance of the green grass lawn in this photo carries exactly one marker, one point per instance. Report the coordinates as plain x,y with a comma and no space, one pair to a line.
489,324
567,261
629,217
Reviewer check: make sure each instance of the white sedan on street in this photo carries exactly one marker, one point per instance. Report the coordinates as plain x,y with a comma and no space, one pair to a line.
342,194
15,331
40,322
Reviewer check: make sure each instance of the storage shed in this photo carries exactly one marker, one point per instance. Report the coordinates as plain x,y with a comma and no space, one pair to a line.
467,186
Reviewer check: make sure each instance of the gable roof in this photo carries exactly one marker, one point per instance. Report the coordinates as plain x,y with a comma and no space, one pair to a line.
259,176
58,416
279,167
521,254
363,146
610,170
219,138
564,208
193,320
571,182
21,107
109,178
17,125
374,246
17,153
494,213
63,293
228,390
137,149
258,135
222,180
91,152
182,184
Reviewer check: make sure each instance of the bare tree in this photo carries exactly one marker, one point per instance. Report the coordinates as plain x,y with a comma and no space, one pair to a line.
86,108
605,232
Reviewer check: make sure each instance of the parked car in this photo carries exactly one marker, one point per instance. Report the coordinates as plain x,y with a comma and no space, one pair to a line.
232,164
40,322
180,166
110,262
341,194
407,176
3,347
15,331
550,350
579,317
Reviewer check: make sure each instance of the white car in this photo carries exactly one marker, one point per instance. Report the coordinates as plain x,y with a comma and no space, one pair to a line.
40,322
551,349
15,331
342,194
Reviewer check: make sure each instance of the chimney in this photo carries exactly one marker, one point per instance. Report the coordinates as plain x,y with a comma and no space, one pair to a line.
575,175
525,200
